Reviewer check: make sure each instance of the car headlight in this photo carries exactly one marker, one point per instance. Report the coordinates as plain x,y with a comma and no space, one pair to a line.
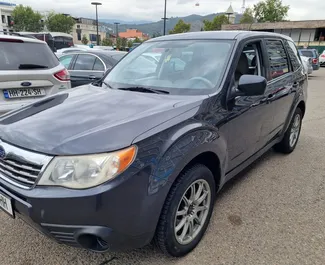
86,171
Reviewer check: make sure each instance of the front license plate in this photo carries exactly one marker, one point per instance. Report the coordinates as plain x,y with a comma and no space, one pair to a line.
24,92
5,204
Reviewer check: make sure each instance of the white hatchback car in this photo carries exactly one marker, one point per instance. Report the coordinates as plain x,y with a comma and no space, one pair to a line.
29,70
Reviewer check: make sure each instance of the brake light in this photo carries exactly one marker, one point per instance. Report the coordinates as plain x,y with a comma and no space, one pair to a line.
11,40
63,75
315,60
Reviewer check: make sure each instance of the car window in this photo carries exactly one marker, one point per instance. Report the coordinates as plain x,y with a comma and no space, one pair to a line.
277,58
98,66
307,53
293,55
84,62
118,56
66,60
20,55
186,67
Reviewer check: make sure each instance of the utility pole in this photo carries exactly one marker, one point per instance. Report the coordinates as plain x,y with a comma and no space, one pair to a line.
97,4
165,18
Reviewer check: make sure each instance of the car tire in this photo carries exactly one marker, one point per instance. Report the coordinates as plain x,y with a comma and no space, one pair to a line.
291,136
182,205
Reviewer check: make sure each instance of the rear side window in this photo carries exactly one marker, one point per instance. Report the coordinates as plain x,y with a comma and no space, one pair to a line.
84,62
277,58
66,60
26,56
98,66
293,55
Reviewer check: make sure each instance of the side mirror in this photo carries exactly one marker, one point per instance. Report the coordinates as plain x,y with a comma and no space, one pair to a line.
252,85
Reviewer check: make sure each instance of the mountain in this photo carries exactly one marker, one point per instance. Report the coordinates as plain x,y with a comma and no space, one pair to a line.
112,21
152,28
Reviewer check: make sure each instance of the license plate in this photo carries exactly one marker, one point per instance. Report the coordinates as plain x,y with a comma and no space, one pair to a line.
5,204
24,92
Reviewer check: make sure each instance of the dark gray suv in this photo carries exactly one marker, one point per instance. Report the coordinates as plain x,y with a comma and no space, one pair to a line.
139,156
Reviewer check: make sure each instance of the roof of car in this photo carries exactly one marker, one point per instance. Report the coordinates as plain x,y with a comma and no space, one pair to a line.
102,52
24,39
221,34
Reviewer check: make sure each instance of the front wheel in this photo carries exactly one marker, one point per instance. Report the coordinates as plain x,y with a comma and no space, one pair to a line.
186,212
291,136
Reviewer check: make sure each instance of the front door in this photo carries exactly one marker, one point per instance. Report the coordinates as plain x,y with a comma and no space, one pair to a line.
247,114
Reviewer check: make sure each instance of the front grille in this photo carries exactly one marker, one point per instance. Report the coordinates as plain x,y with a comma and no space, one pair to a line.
20,167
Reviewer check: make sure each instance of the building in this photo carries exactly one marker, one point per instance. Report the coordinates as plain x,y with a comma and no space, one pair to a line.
304,33
87,27
230,14
132,34
5,15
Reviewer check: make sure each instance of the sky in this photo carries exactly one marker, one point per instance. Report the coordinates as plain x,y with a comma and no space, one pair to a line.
130,10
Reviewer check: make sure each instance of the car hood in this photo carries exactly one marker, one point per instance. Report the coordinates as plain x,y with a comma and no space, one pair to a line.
89,119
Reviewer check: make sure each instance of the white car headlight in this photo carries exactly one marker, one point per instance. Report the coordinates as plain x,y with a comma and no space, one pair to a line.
86,171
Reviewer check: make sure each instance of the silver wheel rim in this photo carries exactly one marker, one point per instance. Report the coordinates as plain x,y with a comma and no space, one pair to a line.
294,132
192,211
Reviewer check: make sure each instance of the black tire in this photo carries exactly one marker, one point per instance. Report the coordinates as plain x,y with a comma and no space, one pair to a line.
165,238
284,146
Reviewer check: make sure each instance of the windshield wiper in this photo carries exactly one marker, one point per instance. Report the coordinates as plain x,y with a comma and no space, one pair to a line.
32,66
144,89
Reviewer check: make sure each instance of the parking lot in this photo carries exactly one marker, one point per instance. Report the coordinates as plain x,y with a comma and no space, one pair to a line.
273,213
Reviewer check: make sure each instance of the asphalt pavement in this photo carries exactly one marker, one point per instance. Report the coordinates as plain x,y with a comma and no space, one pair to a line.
272,214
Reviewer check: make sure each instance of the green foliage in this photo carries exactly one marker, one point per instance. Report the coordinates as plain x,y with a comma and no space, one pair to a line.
156,35
124,42
137,40
26,19
84,40
130,43
270,11
180,27
107,42
216,23
59,23
118,43
248,17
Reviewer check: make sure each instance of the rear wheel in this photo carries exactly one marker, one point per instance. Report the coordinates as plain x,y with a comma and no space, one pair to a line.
186,212
291,136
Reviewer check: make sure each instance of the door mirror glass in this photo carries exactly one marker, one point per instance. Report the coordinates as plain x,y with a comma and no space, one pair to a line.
252,85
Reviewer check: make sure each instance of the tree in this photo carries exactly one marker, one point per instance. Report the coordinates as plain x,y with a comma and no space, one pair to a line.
84,40
248,17
26,19
130,43
180,27
118,43
59,23
156,35
124,42
270,11
137,40
107,42
216,23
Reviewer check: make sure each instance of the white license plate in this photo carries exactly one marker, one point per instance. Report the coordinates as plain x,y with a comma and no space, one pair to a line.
5,204
24,92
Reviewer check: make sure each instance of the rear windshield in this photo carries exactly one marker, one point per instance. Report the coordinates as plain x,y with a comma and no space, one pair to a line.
118,57
308,53
26,56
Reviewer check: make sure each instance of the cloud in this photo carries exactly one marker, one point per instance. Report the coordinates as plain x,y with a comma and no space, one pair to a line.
153,10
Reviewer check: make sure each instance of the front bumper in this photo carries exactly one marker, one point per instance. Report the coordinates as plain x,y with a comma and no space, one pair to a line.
118,215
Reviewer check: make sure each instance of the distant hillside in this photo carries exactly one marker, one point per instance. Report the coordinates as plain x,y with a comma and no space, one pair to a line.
196,22
112,21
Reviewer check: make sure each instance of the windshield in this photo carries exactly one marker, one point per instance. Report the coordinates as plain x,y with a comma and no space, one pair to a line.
181,67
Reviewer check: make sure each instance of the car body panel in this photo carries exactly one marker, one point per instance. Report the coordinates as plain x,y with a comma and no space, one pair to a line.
169,132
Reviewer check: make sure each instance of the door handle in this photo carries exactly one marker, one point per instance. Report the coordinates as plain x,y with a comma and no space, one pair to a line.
92,77
263,100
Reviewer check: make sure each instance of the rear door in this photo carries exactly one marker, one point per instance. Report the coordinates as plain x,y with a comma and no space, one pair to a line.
281,85
26,70
86,69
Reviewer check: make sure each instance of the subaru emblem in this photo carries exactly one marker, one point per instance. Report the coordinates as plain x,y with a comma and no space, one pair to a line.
2,152
26,84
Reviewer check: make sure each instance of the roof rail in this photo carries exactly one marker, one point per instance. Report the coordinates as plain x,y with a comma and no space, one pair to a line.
16,34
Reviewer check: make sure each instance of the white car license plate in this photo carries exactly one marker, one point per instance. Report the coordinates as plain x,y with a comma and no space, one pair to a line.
24,92
5,204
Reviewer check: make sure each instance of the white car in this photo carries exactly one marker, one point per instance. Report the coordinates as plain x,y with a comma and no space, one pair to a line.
322,59
28,71
307,63
65,51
